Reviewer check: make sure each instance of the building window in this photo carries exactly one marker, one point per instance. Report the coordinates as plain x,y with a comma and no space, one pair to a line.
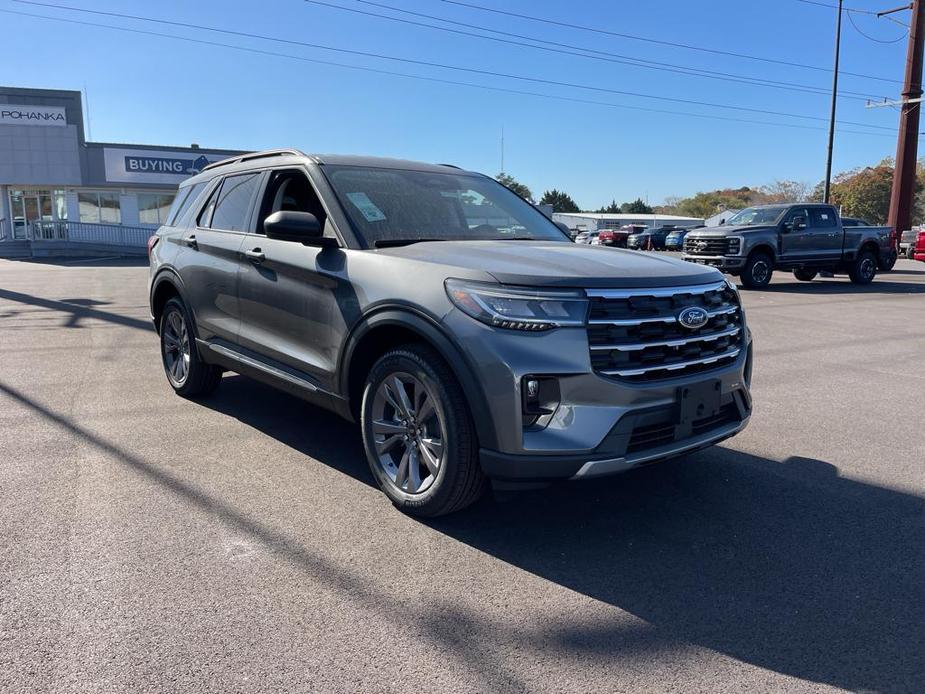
153,207
99,208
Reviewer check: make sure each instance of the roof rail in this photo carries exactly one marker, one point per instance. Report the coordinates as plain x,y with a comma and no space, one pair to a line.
255,155
452,166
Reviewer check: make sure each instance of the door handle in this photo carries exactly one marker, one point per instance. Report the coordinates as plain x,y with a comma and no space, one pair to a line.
255,256
190,242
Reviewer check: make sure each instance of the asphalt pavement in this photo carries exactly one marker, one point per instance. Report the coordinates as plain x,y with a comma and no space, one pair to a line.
236,544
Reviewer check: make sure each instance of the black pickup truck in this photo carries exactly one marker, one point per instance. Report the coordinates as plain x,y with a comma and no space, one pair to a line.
806,238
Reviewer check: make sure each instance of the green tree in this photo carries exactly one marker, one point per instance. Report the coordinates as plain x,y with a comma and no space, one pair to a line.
864,193
560,201
514,185
612,208
637,206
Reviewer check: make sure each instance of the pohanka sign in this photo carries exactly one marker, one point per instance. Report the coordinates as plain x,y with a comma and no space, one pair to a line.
14,114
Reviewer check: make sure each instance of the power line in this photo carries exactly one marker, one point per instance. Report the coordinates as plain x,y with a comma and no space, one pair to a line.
871,38
649,39
586,52
424,63
835,7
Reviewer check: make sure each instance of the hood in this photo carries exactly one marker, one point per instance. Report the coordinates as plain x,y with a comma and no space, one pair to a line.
555,264
715,232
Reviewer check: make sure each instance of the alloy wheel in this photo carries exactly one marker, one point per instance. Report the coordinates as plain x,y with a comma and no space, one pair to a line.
409,433
176,348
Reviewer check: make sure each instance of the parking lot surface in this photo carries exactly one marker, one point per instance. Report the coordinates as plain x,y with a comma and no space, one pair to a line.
151,543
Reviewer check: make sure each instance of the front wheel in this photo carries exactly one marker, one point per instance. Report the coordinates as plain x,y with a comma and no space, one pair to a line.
864,269
418,433
757,271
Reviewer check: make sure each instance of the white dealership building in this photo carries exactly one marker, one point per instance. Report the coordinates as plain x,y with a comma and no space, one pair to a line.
55,186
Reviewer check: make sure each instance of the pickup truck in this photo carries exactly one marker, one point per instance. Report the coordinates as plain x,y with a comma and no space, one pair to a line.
806,238
907,242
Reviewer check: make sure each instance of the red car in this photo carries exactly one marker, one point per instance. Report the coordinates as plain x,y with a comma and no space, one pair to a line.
618,237
920,246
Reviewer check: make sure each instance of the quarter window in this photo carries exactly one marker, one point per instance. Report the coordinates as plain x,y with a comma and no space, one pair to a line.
234,202
181,203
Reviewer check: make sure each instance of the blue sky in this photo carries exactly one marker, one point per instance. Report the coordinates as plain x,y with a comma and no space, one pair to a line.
147,89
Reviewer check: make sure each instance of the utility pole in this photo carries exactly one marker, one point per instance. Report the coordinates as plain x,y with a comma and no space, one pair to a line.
907,144
828,158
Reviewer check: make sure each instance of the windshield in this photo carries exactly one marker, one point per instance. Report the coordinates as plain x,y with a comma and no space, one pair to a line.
752,216
393,205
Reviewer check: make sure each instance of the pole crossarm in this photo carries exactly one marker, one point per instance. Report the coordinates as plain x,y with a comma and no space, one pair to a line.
893,102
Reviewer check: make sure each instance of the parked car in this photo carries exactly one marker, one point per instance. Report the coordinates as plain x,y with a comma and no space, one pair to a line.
919,250
462,329
650,239
587,237
613,237
907,242
805,238
675,239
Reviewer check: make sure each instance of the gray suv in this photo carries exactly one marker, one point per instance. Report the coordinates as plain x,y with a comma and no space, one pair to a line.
461,328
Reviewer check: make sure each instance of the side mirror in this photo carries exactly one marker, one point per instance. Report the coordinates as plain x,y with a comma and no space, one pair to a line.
302,227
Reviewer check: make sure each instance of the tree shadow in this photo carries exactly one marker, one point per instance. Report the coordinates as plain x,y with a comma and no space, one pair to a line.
77,309
844,286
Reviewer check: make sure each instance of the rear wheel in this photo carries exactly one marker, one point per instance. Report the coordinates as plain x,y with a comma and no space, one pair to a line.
186,372
910,252
418,433
805,275
757,271
864,269
888,262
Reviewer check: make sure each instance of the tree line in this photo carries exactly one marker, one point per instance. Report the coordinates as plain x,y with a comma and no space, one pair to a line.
861,192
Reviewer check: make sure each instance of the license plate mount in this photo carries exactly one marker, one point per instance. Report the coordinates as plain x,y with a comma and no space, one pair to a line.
698,401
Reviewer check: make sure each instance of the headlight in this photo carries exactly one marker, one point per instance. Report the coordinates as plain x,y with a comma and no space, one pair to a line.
733,245
518,308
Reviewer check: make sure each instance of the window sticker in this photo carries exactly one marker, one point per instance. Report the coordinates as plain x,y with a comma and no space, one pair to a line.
366,207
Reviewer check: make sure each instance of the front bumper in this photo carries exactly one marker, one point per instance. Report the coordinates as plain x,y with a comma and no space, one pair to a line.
602,424
723,262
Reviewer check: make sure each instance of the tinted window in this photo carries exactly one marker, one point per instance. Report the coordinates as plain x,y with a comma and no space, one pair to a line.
386,205
822,217
289,191
185,197
234,202
206,213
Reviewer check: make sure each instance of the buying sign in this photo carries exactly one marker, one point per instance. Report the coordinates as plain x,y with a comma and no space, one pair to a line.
149,166
12,114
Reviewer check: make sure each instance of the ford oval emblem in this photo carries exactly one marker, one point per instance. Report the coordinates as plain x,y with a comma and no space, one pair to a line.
693,317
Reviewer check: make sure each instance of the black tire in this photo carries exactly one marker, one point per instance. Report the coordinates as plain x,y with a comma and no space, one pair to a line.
459,480
193,377
910,252
864,268
757,271
888,262
805,275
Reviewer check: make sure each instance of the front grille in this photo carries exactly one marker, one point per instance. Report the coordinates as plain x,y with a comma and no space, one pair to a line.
706,246
634,334
654,435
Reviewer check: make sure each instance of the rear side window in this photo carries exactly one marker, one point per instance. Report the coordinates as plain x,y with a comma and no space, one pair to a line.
233,205
822,218
181,204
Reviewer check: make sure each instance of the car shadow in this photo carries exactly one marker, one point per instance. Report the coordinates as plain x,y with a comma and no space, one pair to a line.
310,430
786,566
844,286
783,565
